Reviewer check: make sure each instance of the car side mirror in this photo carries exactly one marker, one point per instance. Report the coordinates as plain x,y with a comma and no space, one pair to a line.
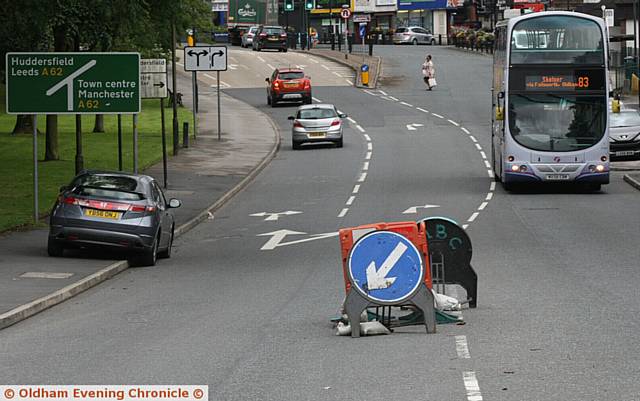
291,118
174,203
343,115
266,80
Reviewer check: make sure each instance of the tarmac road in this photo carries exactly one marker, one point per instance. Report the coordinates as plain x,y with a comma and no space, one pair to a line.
234,309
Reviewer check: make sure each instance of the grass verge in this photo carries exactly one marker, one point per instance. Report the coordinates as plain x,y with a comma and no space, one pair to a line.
100,152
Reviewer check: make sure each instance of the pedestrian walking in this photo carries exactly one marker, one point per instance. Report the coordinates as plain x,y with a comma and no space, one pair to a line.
429,73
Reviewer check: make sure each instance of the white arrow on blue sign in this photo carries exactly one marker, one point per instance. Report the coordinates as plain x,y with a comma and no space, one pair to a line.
385,266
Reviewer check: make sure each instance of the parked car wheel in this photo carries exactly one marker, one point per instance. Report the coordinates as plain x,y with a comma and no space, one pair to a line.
284,50
166,253
433,42
295,145
149,256
414,42
339,143
54,248
269,100
273,103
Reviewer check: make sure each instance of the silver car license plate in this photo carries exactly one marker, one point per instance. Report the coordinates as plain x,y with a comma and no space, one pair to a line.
624,153
557,177
292,96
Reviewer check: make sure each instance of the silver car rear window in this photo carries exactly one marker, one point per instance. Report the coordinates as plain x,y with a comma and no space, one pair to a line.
316,114
108,186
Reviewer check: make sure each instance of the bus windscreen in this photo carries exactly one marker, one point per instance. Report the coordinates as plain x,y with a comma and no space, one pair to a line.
557,39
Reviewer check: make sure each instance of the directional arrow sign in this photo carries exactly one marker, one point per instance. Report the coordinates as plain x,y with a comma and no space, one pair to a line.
205,58
414,209
277,237
274,216
400,272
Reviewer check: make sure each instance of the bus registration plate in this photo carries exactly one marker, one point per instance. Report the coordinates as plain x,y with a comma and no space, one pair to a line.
557,177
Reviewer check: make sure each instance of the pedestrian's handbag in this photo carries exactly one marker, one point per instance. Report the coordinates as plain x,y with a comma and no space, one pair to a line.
432,82
426,80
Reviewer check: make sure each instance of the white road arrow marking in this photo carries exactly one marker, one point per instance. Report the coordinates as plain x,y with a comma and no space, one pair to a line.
277,237
414,209
274,216
377,279
412,127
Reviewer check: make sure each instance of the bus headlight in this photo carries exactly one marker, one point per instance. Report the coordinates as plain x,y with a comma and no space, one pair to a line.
600,168
515,168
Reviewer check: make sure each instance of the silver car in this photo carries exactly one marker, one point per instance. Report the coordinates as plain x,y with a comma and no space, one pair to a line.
414,35
247,37
113,210
624,134
316,123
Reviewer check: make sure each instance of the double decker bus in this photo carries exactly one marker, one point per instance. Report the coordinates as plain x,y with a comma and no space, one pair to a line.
550,100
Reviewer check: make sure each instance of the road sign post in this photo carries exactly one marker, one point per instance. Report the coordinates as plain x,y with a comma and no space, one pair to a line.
385,268
153,85
207,58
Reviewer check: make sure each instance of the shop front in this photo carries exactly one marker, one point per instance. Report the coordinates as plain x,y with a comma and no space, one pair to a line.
430,14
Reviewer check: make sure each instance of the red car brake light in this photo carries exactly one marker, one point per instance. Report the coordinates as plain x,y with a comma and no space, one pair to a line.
263,35
335,122
297,124
307,84
283,35
105,205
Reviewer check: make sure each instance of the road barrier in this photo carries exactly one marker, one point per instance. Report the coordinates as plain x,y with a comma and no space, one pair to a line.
384,265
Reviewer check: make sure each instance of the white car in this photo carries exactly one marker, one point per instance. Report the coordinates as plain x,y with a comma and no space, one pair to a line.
247,37
414,35
624,134
316,123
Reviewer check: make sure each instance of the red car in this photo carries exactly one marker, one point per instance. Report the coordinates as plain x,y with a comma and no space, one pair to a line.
288,84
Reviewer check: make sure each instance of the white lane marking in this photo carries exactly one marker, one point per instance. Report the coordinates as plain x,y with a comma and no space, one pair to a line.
343,212
472,386
48,275
316,99
422,110
466,131
277,237
473,217
369,92
365,167
369,146
483,205
489,196
335,73
349,82
454,123
464,226
484,155
406,104
478,147
350,200
360,128
493,186
473,138
486,164
462,348
313,60
222,83
367,137
383,92
410,127
437,115
363,177
270,66
261,59
325,67
356,188
368,157
351,120
490,173
393,98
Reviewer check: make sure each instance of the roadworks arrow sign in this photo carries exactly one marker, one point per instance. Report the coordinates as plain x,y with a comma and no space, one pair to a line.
400,270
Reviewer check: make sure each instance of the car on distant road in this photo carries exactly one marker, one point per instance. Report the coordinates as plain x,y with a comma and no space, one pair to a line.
247,37
317,123
624,134
270,37
288,84
113,210
414,35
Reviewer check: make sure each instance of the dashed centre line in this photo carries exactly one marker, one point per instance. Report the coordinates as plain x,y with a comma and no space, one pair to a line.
369,146
462,348
465,131
406,104
368,156
356,189
422,110
343,212
489,196
350,200
367,137
472,386
473,217
351,120
360,128
365,167
483,205
454,123
437,115
473,138
478,146
363,177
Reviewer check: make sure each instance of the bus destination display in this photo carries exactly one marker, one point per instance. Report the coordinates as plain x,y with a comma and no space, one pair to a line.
557,82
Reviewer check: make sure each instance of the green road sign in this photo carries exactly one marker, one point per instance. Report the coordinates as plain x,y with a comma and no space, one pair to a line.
73,83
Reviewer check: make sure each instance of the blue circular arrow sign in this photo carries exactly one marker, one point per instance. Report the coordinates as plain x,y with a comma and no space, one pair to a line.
385,266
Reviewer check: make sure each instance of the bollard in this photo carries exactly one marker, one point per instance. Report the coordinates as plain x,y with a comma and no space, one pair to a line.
440,40
371,48
185,134
333,41
364,74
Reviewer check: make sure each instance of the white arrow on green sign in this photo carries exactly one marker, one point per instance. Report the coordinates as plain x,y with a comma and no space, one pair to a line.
73,83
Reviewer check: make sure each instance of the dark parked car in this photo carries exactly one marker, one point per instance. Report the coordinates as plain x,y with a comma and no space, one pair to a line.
113,210
270,37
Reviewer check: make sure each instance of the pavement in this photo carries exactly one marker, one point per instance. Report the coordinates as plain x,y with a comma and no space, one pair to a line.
354,61
203,176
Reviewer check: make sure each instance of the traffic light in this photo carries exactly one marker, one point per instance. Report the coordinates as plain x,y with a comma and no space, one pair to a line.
288,5
309,4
